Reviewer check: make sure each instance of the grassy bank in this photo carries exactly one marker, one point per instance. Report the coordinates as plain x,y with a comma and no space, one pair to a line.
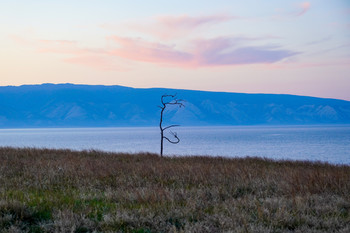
64,191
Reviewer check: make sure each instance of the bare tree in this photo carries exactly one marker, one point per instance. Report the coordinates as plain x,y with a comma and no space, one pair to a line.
168,100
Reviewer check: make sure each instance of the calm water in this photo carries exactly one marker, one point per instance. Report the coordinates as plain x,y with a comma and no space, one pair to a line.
324,143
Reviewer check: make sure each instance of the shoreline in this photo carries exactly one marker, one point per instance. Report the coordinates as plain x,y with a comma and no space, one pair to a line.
174,156
92,150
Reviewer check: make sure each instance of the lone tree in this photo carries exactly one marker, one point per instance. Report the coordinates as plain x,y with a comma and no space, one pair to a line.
168,100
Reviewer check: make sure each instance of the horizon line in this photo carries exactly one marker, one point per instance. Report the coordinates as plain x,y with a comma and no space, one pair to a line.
182,89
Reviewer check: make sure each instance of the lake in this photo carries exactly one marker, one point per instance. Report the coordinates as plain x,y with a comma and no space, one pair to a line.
316,143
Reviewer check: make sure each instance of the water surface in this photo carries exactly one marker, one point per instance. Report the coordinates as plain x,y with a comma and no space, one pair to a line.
324,143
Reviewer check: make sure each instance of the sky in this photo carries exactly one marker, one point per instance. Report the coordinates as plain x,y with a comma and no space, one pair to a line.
251,46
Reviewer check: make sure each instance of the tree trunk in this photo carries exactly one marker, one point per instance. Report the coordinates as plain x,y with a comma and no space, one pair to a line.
161,143
161,132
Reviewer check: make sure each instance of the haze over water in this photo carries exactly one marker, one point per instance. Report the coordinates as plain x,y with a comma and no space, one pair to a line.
316,143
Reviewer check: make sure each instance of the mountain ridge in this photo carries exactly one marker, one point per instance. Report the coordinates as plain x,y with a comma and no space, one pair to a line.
79,105
161,88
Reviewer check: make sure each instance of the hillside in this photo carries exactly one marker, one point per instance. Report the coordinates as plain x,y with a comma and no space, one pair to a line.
69,105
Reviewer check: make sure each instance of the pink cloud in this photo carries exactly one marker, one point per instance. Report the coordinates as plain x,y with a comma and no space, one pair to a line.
169,27
221,51
140,50
304,7
203,53
94,58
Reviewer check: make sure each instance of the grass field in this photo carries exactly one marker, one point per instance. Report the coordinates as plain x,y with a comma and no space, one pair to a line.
44,190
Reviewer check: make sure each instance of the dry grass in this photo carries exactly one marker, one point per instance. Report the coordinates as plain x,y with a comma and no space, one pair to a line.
44,190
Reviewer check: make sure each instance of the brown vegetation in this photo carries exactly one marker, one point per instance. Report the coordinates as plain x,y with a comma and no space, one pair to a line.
44,190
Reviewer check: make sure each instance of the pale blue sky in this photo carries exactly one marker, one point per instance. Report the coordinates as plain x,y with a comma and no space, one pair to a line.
295,47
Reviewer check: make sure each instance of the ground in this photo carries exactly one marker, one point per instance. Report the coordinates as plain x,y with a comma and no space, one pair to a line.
44,190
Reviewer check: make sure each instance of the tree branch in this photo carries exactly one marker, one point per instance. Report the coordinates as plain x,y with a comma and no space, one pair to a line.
170,126
173,142
177,102
174,101
164,96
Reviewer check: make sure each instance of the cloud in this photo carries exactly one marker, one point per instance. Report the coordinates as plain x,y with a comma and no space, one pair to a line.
202,53
329,49
319,41
168,27
140,50
220,51
94,58
299,10
189,22
304,7
293,65
225,51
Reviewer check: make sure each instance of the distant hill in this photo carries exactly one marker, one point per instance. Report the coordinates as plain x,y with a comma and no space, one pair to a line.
69,105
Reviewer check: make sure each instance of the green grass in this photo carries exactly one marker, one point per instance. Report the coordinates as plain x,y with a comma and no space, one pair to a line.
44,190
